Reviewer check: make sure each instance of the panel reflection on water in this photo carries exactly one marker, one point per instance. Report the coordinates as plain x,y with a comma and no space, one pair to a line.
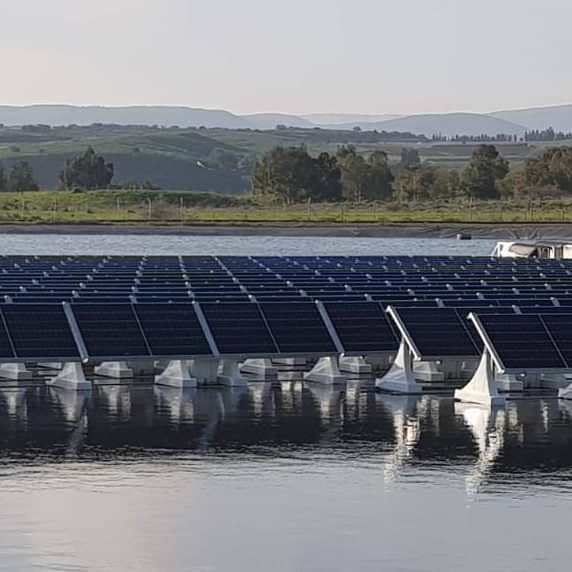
398,432
290,462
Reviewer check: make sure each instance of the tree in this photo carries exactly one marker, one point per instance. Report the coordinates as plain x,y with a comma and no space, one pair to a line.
380,178
553,168
364,180
291,175
353,169
447,184
21,178
329,183
90,171
416,182
3,182
486,169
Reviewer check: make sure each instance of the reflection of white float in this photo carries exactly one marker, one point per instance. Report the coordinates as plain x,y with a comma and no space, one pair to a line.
487,426
73,406
14,399
404,410
116,399
329,401
179,403
262,398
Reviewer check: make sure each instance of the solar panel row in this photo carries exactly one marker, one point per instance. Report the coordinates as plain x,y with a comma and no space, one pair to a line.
121,331
540,342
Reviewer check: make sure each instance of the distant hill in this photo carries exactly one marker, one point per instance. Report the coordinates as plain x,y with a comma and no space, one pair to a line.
558,117
345,120
450,124
513,122
133,115
271,120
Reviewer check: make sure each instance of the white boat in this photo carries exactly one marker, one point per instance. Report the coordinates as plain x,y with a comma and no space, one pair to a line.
554,249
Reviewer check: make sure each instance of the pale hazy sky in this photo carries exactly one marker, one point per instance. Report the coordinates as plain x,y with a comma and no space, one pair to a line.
368,56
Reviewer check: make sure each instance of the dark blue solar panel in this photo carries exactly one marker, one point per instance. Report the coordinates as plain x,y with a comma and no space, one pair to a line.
110,330
298,328
172,330
362,327
40,331
6,347
559,327
439,332
521,341
239,328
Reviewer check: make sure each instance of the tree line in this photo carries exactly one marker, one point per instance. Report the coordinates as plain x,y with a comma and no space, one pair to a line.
291,175
86,172
19,178
533,136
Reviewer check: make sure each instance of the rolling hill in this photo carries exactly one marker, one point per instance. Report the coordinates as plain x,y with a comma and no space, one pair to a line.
558,117
513,122
346,120
132,115
271,120
450,124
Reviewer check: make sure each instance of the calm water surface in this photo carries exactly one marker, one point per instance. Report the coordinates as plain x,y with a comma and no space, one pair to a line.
281,477
234,245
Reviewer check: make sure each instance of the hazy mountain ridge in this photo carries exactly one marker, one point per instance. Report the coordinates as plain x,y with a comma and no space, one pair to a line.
450,124
514,122
335,120
271,120
129,115
559,117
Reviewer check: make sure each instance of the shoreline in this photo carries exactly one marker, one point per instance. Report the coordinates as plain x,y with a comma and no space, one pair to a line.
511,231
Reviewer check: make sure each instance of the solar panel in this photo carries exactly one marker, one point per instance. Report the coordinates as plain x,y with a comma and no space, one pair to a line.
239,328
559,327
436,332
110,330
6,347
362,327
39,331
521,341
298,327
172,330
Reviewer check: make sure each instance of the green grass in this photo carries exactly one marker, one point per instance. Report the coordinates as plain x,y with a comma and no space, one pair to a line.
206,208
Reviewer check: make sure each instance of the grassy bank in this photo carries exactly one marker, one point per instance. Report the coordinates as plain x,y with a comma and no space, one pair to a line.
63,207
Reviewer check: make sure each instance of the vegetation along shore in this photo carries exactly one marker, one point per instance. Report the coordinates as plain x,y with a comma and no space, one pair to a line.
281,178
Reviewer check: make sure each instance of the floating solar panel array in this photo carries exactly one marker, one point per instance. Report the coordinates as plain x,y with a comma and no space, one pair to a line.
417,281
169,306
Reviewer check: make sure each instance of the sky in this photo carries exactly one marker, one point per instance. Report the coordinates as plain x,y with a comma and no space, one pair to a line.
300,56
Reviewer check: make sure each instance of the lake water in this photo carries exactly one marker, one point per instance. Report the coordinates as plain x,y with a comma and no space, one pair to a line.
284,476
234,245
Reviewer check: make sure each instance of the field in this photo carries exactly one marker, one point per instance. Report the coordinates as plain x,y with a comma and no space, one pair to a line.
149,207
185,159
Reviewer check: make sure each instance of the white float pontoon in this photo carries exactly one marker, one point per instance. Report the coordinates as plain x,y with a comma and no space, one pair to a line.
551,249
